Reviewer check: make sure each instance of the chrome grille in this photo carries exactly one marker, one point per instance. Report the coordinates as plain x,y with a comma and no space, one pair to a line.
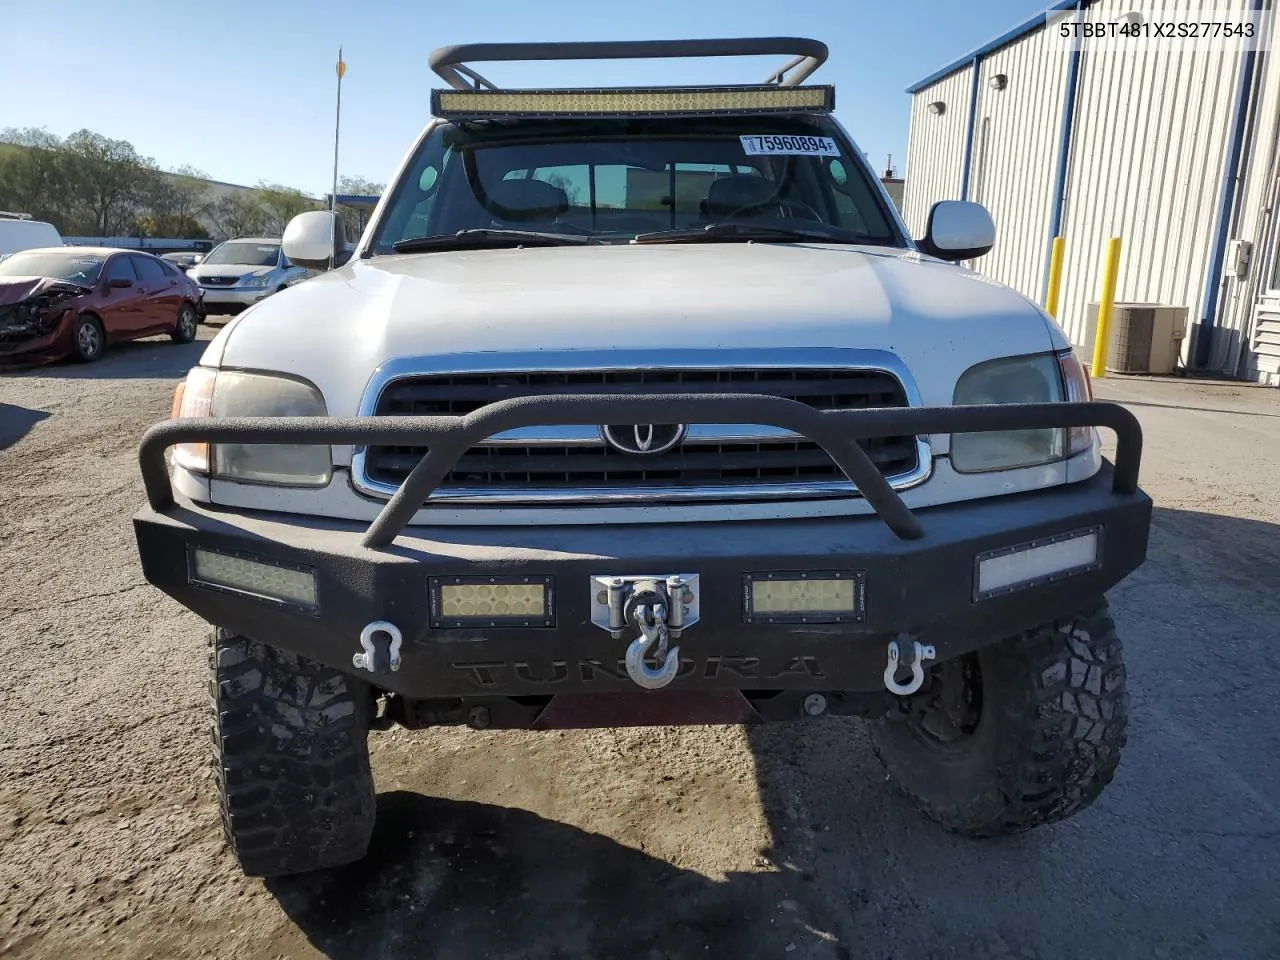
586,465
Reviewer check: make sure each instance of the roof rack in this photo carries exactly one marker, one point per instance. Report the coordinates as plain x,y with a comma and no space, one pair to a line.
451,63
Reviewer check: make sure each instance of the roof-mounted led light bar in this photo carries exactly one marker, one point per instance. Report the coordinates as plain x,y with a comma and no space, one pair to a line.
453,64
638,102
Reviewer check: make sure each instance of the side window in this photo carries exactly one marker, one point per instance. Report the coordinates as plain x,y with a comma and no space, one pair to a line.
148,270
119,268
413,211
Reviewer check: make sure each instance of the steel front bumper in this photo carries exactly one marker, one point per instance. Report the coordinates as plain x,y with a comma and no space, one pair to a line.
919,574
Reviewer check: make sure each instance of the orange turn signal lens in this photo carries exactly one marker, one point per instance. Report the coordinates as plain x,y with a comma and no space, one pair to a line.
194,398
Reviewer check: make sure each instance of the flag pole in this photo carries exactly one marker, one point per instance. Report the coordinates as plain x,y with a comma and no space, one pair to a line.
333,195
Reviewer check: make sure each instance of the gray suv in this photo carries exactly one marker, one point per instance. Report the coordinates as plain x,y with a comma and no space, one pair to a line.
240,272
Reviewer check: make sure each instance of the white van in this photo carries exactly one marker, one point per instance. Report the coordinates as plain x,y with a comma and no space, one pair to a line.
23,234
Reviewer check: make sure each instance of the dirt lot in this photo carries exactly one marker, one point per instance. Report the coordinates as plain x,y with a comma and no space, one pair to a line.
777,842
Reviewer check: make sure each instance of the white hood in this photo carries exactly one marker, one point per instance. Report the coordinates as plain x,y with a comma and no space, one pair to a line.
338,328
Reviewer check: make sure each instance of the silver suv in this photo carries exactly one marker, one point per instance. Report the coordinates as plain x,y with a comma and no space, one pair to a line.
240,272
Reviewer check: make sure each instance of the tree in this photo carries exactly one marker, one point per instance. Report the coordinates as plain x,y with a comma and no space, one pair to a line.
90,184
189,195
238,214
170,225
281,204
174,203
359,187
109,181
33,174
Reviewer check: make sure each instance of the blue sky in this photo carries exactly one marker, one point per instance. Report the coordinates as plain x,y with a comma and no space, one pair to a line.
244,89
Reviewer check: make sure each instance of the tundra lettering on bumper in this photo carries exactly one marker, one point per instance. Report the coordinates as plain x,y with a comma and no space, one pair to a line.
951,579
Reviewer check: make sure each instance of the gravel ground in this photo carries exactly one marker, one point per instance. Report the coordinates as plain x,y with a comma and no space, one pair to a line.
783,841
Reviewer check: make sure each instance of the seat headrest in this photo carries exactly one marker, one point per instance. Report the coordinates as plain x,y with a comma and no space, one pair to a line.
526,200
730,194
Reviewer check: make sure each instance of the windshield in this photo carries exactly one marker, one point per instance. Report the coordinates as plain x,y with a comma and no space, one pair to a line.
614,179
243,253
75,267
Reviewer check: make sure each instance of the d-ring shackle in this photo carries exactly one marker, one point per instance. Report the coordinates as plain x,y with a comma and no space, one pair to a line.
908,656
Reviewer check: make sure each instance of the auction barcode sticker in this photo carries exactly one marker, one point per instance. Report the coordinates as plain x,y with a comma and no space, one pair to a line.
788,145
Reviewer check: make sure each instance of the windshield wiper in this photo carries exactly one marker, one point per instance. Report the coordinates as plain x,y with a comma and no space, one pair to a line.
489,237
729,231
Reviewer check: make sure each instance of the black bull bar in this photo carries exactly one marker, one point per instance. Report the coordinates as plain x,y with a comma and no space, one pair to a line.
449,437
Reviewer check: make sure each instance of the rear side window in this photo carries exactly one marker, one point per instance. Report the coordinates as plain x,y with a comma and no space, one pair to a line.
149,271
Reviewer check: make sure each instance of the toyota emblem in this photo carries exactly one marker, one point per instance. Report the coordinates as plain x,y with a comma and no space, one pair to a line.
644,438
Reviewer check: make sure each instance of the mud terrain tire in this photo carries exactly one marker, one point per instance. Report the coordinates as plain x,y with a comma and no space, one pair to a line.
1047,739
291,758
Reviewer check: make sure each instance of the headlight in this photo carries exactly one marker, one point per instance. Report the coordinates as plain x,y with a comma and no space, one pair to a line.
1035,379
229,393
257,282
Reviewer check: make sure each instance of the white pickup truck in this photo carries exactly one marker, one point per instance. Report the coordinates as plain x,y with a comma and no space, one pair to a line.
642,406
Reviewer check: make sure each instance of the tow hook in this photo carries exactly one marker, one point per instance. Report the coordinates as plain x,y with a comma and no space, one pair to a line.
660,607
381,642
905,652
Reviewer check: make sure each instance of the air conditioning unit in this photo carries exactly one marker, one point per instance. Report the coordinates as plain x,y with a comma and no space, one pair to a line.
1145,337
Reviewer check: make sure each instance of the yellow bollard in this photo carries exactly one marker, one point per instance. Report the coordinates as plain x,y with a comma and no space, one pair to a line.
1055,279
1102,337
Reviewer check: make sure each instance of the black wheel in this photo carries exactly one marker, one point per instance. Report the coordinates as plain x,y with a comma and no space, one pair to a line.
87,339
291,758
184,329
1022,733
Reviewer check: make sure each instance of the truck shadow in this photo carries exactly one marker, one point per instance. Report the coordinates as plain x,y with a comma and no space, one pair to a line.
16,422
1176,845
459,880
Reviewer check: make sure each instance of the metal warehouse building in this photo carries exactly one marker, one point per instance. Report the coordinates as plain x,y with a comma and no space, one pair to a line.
1173,151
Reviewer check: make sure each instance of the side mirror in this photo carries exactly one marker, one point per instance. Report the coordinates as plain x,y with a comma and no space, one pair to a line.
311,238
119,283
958,230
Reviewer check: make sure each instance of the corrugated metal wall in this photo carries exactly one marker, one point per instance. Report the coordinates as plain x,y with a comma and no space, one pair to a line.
1015,155
1147,156
1148,151
935,152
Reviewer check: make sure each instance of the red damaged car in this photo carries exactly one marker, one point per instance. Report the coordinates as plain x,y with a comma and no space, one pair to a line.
58,302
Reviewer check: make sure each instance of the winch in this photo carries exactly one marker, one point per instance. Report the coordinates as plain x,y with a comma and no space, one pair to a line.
661,607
